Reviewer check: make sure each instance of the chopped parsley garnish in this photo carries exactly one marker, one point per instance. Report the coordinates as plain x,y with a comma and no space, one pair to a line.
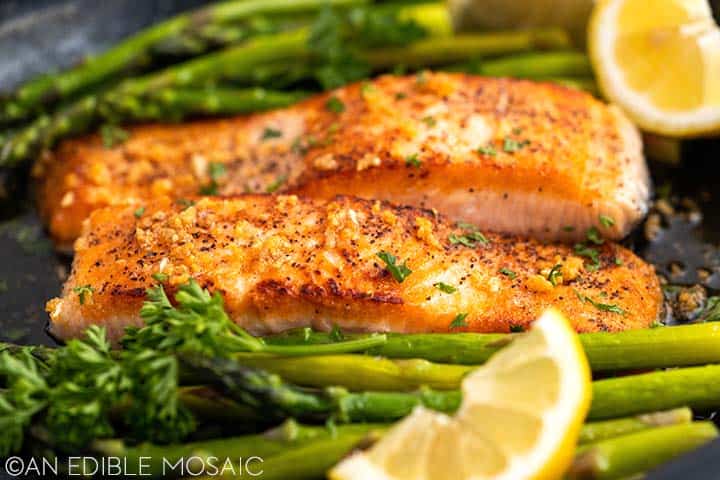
139,212
554,274
184,202
459,321
112,135
511,145
444,287
399,272
335,105
270,132
606,307
569,228
588,252
508,273
274,186
656,324
469,239
429,121
618,261
215,171
516,328
160,277
84,292
606,221
594,236
487,150
413,160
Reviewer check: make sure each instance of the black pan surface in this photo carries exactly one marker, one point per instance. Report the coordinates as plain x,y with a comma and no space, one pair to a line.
40,35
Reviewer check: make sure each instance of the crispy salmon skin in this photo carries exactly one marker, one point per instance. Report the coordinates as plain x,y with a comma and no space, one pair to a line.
282,262
508,155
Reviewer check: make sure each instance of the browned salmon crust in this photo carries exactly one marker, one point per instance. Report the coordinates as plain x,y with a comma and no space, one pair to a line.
283,262
509,155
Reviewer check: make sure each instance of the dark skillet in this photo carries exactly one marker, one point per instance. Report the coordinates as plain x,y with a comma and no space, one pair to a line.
37,35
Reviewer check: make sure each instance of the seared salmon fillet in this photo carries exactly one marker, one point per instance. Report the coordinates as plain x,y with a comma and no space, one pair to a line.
282,262
511,156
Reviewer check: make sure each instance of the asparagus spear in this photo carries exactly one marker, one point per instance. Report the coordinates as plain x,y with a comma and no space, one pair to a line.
537,65
290,434
638,452
124,103
288,437
209,405
445,50
166,105
278,399
317,457
136,53
676,346
359,372
177,104
695,387
596,431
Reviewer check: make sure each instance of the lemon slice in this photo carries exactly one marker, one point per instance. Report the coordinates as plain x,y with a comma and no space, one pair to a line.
660,61
520,418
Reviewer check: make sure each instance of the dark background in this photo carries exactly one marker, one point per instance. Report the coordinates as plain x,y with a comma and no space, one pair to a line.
41,35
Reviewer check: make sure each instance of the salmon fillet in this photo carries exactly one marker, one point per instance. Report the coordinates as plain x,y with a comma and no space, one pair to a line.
283,262
513,156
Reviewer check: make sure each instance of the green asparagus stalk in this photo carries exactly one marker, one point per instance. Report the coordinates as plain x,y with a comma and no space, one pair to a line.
313,460
289,436
695,387
258,391
177,104
638,452
209,405
596,431
676,346
136,53
538,65
291,444
462,47
238,63
359,372
125,103
167,105
279,400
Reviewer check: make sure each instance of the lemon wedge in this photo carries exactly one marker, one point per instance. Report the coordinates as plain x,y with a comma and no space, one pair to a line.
520,418
660,61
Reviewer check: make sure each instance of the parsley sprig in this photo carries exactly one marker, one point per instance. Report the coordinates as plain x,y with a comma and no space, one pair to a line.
606,307
459,321
399,271
471,238
74,393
